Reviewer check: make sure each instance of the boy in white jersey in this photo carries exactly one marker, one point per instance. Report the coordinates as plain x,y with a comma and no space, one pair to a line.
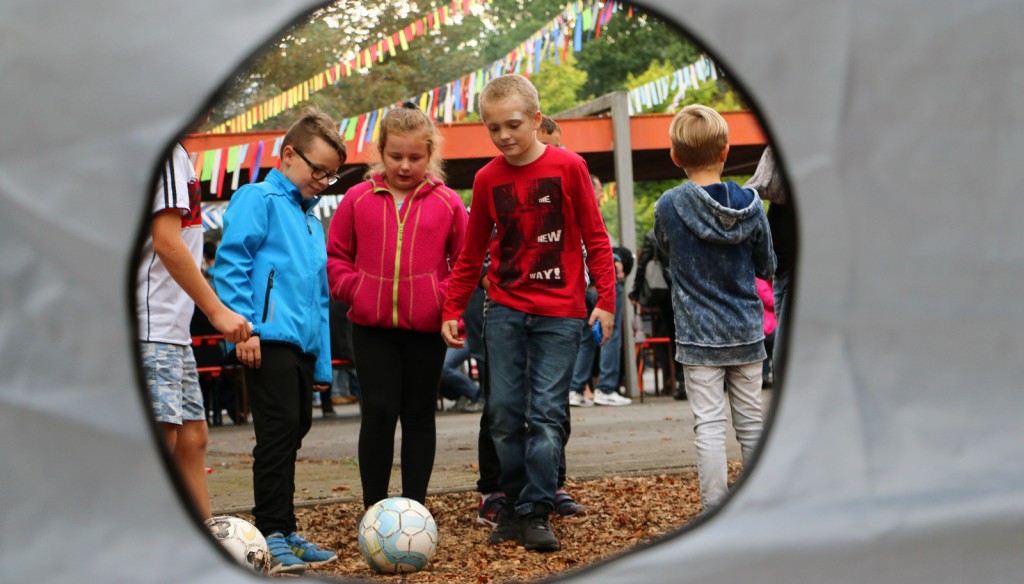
170,285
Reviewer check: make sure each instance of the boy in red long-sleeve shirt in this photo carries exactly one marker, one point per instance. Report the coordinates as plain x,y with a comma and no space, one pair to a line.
539,204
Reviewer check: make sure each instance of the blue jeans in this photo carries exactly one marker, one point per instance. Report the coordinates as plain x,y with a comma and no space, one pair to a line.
584,363
611,352
345,381
610,360
455,383
530,366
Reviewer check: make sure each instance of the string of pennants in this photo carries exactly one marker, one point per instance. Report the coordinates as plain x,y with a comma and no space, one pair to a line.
361,59
213,211
580,21
674,85
214,166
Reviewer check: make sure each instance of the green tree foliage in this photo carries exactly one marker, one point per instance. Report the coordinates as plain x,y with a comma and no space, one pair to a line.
626,46
645,195
655,71
559,85
629,46
629,53
332,35
513,21
718,95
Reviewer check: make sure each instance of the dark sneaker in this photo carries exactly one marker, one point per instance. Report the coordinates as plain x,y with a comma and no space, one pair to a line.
492,508
566,506
282,559
308,552
507,529
537,535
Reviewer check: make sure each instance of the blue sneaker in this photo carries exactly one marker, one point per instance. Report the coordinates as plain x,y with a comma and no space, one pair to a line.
309,552
282,559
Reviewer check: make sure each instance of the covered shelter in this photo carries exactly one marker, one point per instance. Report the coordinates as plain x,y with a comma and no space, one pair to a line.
467,148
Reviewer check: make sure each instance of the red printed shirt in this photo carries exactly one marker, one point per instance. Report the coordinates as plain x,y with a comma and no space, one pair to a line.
544,213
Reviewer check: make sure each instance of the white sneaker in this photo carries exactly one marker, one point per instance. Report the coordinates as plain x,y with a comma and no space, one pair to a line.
578,400
610,399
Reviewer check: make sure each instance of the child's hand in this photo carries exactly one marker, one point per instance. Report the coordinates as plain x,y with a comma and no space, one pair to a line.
233,326
607,323
450,333
248,352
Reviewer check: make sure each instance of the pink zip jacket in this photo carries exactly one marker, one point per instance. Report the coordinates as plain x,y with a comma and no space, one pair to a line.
391,265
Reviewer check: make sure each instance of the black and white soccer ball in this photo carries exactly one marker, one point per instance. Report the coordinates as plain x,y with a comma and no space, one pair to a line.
243,541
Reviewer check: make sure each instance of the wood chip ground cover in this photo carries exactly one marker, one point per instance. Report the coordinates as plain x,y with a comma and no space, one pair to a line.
622,512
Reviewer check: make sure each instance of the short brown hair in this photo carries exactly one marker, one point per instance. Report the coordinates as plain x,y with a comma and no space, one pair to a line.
549,125
315,124
512,85
699,134
410,120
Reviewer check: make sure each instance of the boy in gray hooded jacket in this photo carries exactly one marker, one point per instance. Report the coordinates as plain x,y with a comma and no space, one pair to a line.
717,238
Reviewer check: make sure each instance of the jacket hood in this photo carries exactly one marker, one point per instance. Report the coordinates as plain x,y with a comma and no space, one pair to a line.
728,222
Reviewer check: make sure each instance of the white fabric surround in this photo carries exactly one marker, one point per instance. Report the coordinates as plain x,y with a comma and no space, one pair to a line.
894,454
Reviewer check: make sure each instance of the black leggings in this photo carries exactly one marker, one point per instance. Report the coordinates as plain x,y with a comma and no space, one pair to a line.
399,373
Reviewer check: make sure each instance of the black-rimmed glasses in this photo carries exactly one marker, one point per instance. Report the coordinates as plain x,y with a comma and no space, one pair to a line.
318,173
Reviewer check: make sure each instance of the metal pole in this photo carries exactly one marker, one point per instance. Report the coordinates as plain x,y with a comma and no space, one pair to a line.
623,152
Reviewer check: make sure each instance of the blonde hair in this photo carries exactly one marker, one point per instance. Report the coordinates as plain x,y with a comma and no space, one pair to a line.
508,86
315,124
699,134
409,120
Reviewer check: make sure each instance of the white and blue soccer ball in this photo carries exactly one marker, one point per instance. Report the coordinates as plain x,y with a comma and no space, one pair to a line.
243,541
397,535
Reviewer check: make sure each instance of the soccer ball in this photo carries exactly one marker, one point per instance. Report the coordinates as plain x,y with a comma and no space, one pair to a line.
397,535
243,541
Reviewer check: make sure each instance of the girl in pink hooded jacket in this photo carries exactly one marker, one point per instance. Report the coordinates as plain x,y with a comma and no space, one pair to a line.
390,249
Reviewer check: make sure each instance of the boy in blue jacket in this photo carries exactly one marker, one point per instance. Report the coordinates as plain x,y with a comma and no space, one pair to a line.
717,239
271,267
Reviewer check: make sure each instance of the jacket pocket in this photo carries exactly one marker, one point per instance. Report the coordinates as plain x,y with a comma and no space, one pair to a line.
347,287
365,300
422,307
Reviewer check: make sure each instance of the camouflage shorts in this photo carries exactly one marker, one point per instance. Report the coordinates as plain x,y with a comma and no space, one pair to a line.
173,383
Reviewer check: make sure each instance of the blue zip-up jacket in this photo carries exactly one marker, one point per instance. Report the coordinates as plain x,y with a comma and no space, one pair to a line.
717,239
271,267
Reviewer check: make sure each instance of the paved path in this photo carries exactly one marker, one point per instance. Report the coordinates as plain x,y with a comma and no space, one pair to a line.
654,436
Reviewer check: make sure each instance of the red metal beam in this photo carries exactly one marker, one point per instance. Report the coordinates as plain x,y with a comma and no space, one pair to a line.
470,140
